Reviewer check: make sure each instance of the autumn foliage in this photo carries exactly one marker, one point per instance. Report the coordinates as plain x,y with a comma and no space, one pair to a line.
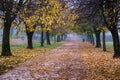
100,64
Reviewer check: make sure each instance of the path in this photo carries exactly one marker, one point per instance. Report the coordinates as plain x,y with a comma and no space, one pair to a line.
62,63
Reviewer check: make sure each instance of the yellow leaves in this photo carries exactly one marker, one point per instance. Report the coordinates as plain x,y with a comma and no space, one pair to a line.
31,22
106,12
101,65
58,33
104,28
48,12
48,29
20,56
28,21
45,29
51,14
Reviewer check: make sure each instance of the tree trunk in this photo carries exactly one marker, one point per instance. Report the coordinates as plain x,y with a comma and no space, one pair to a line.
116,42
91,38
93,42
58,38
104,41
62,37
42,39
98,41
55,40
6,39
65,36
29,39
88,38
48,37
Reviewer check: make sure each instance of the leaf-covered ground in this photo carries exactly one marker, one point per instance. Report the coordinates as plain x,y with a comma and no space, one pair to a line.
72,61
21,54
101,64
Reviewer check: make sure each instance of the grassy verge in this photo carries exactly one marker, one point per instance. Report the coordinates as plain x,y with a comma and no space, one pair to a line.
35,45
21,54
109,45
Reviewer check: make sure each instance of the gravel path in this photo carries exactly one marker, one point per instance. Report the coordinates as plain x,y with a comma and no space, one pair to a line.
62,63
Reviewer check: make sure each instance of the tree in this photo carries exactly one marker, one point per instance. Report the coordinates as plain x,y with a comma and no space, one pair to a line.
48,36
104,38
10,8
47,13
110,14
30,22
110,10
53,15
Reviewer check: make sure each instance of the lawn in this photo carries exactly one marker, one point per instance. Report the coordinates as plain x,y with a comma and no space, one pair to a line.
35,45
21,54
109,45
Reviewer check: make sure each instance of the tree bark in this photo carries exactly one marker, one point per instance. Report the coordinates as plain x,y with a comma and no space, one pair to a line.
97,35
65,36
42,39
116,42
55,40
91,39
104,41
62,37
29,39
6,39
58,38
88,38
93,42
48,37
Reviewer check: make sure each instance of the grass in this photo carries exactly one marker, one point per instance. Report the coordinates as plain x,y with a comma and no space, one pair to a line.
109,45
21,54
35,45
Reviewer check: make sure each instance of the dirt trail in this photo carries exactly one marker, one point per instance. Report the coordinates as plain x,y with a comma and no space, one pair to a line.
62,63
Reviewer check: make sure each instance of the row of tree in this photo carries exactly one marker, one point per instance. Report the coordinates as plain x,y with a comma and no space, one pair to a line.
96,16
49,16
59,17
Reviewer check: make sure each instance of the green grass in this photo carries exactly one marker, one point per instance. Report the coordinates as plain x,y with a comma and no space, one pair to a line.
109,45
35,45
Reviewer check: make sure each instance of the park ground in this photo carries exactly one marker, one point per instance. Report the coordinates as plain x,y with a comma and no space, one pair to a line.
74,60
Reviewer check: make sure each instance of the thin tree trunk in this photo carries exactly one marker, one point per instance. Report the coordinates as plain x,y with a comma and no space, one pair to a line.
29,40
6,39
98,41
62,37
48,37
29,36
65,36
91,39
93,42
58,38
55,40
104,41
88,37
42,38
